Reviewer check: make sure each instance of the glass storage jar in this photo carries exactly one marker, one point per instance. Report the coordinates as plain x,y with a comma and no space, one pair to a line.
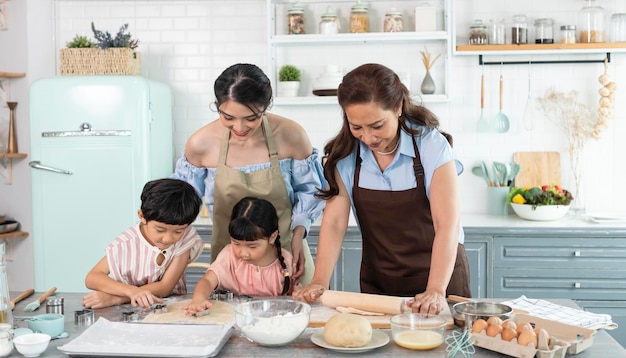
544,31
295,19
6,343
5,300
591,23
359,20
497,34
330,23
393,21
568,34
519,30
478,33
618,28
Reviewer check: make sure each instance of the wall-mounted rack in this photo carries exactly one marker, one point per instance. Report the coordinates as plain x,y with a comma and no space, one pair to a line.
530,62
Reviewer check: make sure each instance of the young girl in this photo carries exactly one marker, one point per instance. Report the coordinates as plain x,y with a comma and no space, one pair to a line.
253,263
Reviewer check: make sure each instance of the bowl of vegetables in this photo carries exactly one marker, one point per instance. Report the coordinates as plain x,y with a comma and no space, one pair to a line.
545,203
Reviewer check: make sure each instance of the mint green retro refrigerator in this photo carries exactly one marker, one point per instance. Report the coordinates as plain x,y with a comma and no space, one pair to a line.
95,141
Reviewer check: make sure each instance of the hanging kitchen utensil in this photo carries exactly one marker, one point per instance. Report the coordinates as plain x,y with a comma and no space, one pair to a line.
500,122
483,123
527,120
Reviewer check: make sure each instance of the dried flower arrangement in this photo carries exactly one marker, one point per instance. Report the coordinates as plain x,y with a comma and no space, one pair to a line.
578,122
426,59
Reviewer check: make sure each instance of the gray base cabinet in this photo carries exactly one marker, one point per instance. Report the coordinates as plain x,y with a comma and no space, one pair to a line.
586,265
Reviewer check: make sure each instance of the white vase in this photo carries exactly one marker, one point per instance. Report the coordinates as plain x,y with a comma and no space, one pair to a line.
288,88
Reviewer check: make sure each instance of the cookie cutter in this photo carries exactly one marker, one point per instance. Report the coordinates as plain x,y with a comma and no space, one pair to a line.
159,308
130,316
244,298
222,295
84,317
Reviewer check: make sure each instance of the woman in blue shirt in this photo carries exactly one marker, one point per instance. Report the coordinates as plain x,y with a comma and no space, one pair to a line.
249,152
397,172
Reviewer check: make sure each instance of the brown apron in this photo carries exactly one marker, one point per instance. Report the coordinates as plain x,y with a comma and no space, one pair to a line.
398,233
231,185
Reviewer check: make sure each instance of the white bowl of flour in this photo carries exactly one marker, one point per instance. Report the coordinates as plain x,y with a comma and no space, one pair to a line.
272,322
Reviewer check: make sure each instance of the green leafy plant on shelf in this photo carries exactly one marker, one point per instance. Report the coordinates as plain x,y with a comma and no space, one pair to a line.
80,41
289,73
105,40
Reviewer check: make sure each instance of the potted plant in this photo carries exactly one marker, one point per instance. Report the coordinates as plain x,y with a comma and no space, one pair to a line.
288,81
107,55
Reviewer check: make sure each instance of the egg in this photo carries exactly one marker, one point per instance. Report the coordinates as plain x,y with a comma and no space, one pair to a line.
509,333
527,337
509,324
494,320
543,339
479,325
523,327
493,330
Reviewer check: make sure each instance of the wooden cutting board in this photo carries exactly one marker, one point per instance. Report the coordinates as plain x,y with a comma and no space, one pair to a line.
538,168
321,314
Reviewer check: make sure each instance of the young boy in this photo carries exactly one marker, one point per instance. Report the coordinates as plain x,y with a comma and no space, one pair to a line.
148,260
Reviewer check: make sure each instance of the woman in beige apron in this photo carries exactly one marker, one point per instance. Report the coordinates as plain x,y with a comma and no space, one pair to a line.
248,152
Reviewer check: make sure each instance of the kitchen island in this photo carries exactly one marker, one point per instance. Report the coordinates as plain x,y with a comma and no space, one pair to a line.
238,346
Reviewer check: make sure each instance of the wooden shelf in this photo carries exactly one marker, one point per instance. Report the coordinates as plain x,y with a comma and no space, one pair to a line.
13,155
12,74
593,47
13,235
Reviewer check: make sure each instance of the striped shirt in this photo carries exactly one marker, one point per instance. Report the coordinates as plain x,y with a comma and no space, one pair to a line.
133,260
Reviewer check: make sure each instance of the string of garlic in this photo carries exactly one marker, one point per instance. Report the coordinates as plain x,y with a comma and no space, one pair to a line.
607,100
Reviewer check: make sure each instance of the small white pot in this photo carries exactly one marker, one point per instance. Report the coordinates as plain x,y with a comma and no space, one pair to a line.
288,88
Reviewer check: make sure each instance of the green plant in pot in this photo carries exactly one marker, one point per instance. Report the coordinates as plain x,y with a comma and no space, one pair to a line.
289,81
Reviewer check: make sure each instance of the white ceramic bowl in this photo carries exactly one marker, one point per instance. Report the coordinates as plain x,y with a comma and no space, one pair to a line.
272,322
31,344
540,212
418,331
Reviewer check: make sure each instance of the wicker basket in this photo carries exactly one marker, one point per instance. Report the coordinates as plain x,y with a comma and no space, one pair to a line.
95,61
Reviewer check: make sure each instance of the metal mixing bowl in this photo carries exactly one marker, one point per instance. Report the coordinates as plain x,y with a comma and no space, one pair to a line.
465,313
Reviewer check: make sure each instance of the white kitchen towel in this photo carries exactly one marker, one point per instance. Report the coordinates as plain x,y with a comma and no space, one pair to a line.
567,315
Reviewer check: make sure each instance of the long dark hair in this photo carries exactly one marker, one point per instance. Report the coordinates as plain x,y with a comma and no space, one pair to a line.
246,84
365,84
254,219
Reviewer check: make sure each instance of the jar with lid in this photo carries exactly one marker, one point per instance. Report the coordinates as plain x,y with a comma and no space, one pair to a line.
497,34
330,22
544,31
359,20
618,28
55,304
295,20
393,21
478,33
568,34
6,342
591,23
519,30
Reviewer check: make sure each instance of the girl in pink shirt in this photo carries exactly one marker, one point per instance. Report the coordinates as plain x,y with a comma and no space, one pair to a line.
253,263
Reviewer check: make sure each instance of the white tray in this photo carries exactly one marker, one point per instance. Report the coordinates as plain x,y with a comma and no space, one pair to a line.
122,339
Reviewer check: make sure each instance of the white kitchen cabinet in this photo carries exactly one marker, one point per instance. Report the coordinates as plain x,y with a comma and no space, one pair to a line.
312,52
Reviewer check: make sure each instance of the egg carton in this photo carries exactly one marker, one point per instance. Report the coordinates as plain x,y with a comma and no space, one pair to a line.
564,339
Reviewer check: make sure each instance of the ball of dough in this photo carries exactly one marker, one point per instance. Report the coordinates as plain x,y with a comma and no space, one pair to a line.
348,330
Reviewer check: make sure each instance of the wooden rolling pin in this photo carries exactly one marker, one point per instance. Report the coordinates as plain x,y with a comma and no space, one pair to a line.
21,296
364,301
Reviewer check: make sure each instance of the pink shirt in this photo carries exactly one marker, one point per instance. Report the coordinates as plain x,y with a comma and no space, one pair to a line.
133,260
243,278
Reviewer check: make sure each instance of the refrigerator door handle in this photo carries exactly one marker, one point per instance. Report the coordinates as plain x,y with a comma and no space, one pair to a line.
37,165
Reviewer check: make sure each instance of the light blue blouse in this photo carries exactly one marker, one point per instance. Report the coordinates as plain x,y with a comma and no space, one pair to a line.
302,178
434,149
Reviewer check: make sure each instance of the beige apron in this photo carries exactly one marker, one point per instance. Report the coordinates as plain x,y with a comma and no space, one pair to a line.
231,185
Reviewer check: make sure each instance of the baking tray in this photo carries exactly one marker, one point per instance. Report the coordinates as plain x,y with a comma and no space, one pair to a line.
121,339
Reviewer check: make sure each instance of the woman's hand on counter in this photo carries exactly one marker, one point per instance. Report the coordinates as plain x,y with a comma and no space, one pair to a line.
428,302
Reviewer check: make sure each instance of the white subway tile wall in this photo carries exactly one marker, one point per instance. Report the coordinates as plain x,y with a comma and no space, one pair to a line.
186,44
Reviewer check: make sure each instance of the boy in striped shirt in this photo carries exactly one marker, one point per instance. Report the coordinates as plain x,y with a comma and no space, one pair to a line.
148,260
